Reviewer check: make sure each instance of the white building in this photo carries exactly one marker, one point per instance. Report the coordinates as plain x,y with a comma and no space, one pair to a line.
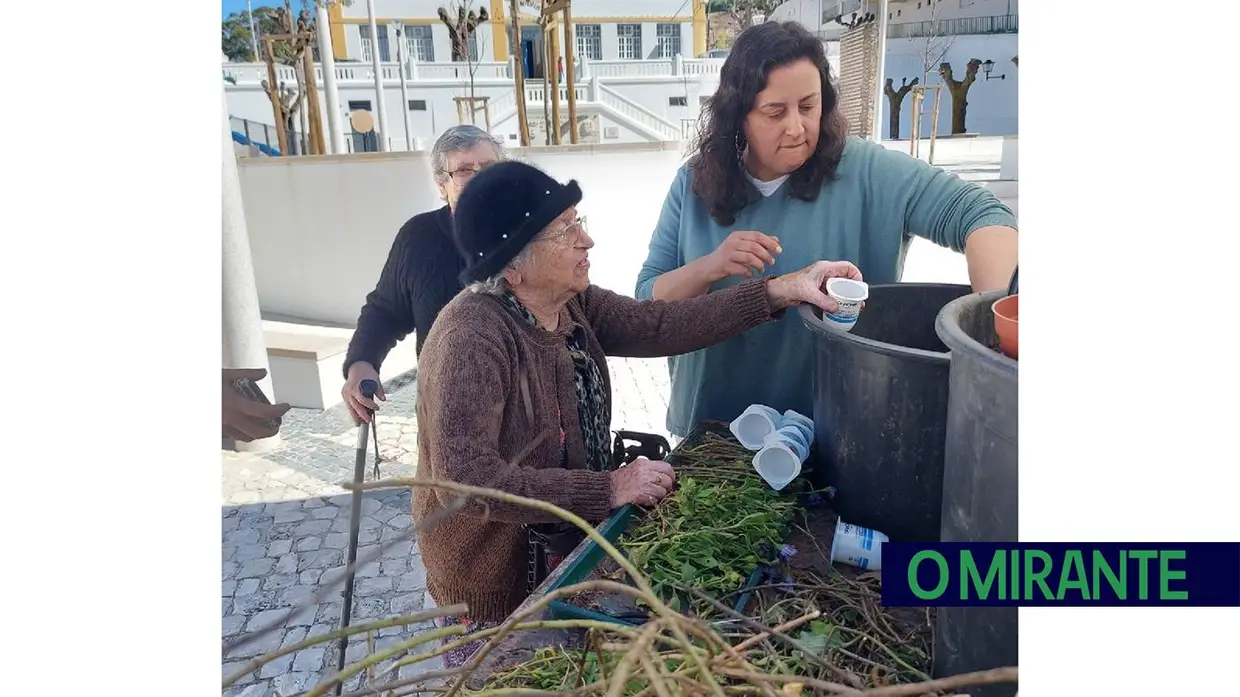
634,82
605,30
924,33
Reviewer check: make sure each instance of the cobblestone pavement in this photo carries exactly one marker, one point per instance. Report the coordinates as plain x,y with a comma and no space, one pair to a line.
286,522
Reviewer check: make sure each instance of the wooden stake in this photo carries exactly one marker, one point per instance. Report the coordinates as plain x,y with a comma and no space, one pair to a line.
273,91
317,145
518,68
554,67
570,68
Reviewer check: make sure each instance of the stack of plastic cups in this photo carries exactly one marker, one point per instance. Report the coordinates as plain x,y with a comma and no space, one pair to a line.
784,450
754,424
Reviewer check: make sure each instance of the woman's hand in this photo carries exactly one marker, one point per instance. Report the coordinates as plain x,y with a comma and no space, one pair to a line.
361,408
743,252
643,482
809,285
244,419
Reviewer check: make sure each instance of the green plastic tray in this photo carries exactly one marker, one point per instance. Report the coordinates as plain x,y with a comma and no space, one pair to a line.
611,530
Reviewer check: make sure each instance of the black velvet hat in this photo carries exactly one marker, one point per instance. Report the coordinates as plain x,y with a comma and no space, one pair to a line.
501,210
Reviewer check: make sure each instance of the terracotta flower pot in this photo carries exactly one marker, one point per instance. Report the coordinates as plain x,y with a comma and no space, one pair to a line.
1007,327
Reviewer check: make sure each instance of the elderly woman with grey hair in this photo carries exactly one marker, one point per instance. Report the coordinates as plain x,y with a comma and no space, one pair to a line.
514,391
420,275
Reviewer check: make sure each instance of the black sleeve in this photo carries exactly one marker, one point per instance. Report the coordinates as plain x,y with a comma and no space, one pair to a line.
387,317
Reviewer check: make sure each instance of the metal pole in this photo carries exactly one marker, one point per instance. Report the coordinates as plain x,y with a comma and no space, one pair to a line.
249,10
523,121
399,28
368,388
881,47
328,60
380,104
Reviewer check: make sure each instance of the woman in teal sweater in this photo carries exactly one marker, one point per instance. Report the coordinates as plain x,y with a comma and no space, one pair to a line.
774,185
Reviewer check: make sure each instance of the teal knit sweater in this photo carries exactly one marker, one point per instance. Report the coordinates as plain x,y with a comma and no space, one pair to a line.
866,215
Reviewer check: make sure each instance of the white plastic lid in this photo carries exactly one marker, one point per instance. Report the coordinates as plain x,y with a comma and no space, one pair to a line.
847,289
751,429
777,465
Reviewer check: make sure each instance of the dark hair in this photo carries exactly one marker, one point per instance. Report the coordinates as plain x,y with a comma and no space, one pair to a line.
718,174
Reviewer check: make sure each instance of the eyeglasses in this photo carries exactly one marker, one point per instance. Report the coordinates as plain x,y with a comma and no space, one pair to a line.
464,174
571,232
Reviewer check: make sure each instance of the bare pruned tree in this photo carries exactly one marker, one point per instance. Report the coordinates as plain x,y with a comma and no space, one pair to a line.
960,91
462,17
937,43
895,98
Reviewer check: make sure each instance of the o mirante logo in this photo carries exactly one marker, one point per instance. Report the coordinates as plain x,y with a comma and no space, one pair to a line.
1067,574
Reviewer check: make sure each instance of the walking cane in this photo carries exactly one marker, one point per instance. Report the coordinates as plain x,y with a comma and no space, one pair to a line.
368,389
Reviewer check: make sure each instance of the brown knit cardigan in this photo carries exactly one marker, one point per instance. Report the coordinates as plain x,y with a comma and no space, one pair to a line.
488,387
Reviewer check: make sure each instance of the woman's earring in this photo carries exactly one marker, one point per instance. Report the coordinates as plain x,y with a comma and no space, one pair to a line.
740,148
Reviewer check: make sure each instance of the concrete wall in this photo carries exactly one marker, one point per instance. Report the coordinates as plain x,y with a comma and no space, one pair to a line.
250,102
321,228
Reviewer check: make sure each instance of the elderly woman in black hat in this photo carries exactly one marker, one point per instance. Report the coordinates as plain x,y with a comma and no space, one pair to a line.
513,387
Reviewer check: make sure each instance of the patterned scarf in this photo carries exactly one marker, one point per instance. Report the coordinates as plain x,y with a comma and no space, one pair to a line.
595,429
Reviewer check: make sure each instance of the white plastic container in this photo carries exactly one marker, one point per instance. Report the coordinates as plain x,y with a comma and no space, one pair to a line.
796,418
857,546
754,424
782,454
849,295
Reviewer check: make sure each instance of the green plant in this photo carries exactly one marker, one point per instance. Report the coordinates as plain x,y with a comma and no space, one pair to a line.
708,534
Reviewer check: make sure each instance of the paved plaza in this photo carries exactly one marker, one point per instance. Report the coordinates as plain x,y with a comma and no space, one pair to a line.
286,530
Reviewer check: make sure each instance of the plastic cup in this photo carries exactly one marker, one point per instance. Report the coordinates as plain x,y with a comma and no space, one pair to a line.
858,546
782,454
754,424
804,422
849,295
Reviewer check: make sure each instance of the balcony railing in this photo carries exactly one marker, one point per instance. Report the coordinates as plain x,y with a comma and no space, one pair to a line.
254,73
996,24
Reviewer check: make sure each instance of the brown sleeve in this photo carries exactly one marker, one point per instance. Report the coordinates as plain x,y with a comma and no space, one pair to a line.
461,393
651,328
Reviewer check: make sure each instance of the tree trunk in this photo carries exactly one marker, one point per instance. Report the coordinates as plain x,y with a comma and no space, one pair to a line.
960,106
895,98
960,91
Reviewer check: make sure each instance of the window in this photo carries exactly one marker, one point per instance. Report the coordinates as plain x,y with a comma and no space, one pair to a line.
417,105
630,41
668,38
589,41
678,101
419,43
385,55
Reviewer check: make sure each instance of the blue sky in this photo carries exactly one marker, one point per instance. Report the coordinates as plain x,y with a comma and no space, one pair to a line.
231,6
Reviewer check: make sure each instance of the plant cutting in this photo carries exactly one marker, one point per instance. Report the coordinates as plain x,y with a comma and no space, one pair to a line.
707,533
673,654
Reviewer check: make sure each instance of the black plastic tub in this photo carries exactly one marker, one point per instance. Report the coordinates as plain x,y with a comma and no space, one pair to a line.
980,483
880,410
